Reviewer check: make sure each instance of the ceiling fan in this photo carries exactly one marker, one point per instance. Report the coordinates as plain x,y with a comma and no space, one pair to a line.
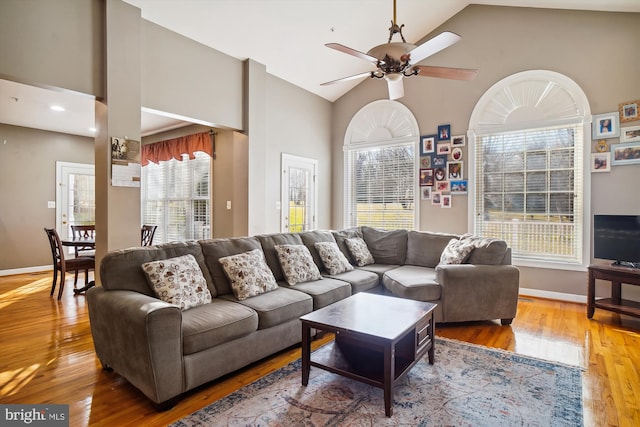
396,60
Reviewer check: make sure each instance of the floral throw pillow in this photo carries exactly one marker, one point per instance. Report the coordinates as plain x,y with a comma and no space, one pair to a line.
457,251
178,281
249,274
297,264
359,251
332,257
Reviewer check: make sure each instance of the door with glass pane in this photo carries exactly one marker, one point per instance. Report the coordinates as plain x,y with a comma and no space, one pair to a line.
299,191
75,196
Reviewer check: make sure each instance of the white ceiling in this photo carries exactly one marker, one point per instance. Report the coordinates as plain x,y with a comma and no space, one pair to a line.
287,36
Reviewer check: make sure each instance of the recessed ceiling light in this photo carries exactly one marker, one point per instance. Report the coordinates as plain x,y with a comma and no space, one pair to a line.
57,108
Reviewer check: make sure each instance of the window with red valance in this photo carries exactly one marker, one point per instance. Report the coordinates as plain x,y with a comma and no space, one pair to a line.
164,151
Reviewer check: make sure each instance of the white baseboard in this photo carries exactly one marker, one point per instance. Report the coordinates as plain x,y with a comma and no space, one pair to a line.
553,295
26,270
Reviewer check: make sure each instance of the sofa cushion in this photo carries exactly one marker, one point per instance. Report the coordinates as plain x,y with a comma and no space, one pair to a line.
359,251
178,281
216,323
488,251
386,246
413,282
324,292
332,258
269,242
279,306
249,274
297,264
341,237
214,249
359,279
457,251
424,248
120,269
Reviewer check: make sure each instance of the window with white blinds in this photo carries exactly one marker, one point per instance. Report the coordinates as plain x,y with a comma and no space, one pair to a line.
176,197
528,191
380,186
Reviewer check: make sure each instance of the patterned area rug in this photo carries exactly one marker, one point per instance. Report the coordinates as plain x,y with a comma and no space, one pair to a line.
468,385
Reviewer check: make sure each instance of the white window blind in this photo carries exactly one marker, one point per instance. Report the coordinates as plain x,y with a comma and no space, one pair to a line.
380,185
176,198
528,191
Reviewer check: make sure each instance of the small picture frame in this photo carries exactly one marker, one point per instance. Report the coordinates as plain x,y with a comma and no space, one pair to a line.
425,193
630,134
625,154
426,177
446,201
440,174
454,171
458,141
600,162
456,154
444,148
629,111
439,161
444,132
443,186
459,186
436,196
606,126
427,144
425,162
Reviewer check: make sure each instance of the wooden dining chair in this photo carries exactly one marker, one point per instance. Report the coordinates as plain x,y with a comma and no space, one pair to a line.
84,232
63,265
146,234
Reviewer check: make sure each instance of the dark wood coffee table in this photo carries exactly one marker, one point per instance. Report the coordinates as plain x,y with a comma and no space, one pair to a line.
378,339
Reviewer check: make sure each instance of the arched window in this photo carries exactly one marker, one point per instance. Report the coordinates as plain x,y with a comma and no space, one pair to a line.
530,137
380,167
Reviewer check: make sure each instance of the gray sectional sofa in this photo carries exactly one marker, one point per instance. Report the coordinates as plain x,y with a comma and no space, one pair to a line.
165,351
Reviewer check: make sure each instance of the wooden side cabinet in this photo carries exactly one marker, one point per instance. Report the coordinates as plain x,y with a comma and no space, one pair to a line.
616,275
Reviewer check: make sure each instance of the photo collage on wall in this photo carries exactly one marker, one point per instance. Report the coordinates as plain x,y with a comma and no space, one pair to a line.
606,126
442,167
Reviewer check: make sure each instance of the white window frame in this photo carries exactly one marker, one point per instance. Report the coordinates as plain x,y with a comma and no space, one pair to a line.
381,123
311,197
503,109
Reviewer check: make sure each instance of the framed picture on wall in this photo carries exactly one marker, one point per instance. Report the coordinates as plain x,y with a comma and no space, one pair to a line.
630,134
444,132
425,193
625,154
458,141
600,162
426,177
629,111
444,148
427,144
445,202
606,126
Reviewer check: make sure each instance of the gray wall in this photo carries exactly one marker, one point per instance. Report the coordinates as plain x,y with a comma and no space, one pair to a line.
27,181
598,50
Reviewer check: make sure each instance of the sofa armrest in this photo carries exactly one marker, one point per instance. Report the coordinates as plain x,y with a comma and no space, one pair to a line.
478,292
140,337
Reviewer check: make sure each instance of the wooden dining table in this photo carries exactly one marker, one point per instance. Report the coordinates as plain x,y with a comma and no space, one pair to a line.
86,243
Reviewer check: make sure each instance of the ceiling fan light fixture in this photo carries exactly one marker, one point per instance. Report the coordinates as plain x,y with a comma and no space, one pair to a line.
393,77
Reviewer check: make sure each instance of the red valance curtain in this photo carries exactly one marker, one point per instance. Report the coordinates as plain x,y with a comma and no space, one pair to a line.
163,151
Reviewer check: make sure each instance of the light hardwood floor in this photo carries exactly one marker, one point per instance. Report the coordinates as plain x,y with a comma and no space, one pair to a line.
47,356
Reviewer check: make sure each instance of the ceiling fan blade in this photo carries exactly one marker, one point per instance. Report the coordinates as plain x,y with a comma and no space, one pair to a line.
433,46
353,52
396,88
345,79
446,72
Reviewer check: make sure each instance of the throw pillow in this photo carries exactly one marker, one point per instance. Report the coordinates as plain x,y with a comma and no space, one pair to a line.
332,257
178,281
249,274
457,251
359,251
297,264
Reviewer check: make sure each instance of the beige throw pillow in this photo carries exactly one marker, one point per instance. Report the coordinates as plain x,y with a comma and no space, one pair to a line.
457,251
359,251
297,264
248,273
332,257
178,281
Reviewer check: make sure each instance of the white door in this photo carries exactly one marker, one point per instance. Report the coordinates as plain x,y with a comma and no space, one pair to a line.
299,189
75,196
